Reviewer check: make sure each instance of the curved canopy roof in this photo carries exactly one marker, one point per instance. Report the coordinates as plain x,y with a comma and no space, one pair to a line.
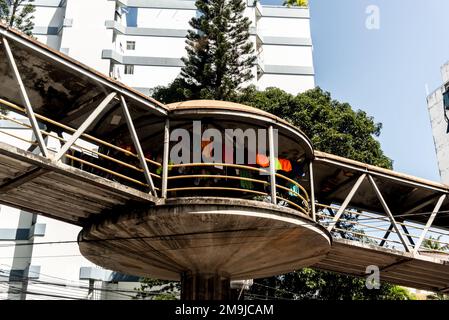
221,105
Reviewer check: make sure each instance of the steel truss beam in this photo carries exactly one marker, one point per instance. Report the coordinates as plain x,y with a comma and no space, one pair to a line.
312,190
85,125
165,158
101,80
407,233
25,99
272,165
137,145
389,214
429,222
412,210
21,179
387,234
346,202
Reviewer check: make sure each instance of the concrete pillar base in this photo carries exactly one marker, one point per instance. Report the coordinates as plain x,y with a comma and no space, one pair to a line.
205,287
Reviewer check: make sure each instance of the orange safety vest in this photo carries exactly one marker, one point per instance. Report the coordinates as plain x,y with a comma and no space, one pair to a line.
286,165
262,160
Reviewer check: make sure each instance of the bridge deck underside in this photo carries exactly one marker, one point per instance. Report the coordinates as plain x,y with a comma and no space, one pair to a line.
31,183
352,258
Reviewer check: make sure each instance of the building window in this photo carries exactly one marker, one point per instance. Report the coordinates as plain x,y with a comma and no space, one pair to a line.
129,69
131,17
446,100
130,45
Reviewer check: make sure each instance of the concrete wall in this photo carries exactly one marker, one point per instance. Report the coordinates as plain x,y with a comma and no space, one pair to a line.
445,72
96,32
48,22
440,125
281,37
32,246
84,35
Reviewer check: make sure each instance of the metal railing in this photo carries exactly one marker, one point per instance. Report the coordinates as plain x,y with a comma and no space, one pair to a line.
119,164
98,160
235,180
376,229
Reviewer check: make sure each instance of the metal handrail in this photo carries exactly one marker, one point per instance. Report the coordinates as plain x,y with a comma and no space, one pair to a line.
83,161
367,236
216,164
216,188
307,212
384,218
108,171
67,128
85,149
82,148
278,175
301,196
305,202
303,206
371,228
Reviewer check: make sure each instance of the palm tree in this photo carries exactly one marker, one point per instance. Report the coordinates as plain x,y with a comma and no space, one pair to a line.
296,3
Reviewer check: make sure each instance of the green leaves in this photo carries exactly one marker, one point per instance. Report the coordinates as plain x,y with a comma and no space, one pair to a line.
155,289
308,284
296,3
219,54
18,15
332,126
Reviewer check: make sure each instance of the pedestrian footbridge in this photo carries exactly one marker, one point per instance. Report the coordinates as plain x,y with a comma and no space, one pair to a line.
83,148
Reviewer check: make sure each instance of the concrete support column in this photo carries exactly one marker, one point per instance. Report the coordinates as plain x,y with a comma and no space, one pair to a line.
197,286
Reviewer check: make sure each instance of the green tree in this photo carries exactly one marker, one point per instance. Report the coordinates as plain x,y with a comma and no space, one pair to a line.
220,56
332,126
296,3
157,289
336,128
18,14
435,244
310,284
437,296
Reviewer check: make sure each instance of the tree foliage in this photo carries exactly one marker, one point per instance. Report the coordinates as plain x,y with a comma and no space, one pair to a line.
332,126
310,284
296,3
220,56
154,289
435,244
18,14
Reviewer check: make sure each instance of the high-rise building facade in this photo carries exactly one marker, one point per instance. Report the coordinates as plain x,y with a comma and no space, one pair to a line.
438,105
140,43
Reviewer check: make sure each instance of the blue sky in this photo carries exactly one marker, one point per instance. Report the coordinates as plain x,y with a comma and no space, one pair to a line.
384,72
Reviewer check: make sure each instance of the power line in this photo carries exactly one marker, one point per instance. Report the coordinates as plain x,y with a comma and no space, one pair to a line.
277,289
164,237
80,290
17,290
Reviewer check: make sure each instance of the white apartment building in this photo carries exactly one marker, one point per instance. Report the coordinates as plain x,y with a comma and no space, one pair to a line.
140,43
438,105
